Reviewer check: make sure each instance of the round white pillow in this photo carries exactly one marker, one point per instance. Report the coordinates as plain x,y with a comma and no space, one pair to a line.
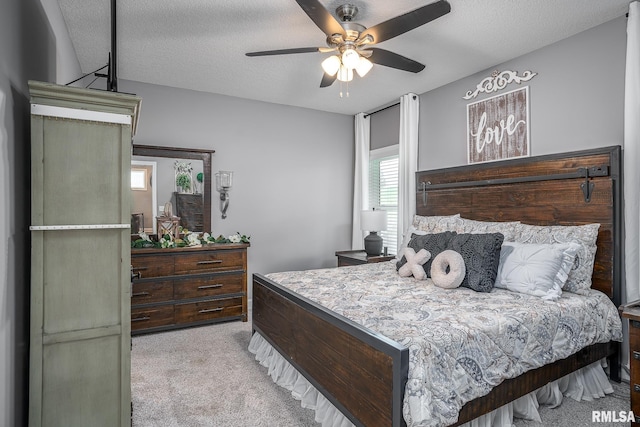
454,262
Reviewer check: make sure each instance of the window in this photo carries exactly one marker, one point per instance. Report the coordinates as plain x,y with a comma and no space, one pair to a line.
383,191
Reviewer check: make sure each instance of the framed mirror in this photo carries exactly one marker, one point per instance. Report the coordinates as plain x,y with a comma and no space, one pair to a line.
201,159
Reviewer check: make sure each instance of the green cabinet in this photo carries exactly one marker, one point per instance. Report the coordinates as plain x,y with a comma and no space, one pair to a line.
80,367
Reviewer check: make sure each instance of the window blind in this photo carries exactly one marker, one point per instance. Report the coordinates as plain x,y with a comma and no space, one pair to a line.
383,194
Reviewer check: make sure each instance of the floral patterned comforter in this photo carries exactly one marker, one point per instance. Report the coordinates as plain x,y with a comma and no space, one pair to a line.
461,343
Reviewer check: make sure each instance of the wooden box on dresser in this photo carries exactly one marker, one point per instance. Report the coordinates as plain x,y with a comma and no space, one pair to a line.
631,311
180,287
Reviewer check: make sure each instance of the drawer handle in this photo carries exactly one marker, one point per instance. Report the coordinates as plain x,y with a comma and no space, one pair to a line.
636,355
213,261
636,387
141,319
140,294
217,285
210,310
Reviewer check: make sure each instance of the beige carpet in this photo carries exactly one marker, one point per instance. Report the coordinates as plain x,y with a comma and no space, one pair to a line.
205,376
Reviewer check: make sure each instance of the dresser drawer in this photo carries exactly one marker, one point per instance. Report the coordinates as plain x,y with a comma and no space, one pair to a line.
146,292
201,262
205,310
152,265
206,286
143,318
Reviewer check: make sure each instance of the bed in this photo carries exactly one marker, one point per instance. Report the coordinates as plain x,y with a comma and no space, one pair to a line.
364,374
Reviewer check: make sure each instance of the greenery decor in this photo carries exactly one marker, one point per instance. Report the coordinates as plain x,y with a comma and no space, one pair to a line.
189,239
183,181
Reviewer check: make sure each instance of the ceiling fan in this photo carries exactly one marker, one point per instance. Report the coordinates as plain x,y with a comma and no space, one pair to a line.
351,41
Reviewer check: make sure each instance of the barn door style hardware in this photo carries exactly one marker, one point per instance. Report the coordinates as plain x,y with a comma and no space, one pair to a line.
424,192
587,186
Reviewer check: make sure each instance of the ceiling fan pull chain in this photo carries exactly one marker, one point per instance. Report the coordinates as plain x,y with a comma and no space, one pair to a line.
346,92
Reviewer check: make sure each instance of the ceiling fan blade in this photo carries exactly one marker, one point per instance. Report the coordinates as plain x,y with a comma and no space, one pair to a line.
321,17
407,22
286,51
393,60
327,80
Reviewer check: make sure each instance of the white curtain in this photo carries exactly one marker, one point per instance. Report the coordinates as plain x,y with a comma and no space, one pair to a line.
632,154
361,177
407,162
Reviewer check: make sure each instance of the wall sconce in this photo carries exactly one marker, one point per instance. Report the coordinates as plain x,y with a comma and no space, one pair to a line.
224,180
373,221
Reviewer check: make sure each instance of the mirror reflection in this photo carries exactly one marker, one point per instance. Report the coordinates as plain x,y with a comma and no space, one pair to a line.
158,181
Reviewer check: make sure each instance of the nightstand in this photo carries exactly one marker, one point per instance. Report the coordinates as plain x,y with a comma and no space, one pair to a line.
360,257
631,311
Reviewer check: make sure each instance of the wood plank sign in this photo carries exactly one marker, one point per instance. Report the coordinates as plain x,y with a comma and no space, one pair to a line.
498,127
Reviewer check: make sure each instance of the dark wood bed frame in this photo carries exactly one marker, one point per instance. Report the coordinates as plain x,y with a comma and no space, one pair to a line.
363,373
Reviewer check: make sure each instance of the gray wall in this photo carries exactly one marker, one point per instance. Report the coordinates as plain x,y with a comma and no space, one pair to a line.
385,127
576,100
292,183
27,51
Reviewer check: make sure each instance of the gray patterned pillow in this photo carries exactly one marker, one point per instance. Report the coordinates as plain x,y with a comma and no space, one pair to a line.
433,243
481,255
436,223
509,229
579,280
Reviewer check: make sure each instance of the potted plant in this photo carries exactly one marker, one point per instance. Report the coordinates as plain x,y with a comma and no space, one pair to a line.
183,181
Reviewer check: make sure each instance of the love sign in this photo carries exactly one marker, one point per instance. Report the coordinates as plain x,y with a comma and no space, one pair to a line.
498,127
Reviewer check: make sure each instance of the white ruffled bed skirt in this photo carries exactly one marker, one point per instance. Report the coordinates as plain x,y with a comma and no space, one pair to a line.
587,383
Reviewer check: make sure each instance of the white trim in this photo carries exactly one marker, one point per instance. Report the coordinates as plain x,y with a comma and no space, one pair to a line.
74,113
379,153
77,227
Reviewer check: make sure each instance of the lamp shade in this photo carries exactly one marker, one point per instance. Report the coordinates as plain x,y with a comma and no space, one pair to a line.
363,67
331,65
373,220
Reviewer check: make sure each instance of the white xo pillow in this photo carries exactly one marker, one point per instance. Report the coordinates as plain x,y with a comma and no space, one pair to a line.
537,269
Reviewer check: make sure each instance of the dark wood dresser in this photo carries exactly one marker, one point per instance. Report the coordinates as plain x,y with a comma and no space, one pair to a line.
180,287
631,311
189,207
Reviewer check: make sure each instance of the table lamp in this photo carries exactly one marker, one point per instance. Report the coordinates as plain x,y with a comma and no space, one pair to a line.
373,221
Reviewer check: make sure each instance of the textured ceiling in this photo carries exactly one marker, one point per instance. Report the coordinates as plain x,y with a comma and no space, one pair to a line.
201,44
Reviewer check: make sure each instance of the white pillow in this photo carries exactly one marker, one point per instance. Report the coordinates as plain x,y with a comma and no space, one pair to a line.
586,235
448,269
538,269
413,267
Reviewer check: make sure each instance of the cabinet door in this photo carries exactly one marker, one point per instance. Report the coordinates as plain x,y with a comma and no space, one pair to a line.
80,285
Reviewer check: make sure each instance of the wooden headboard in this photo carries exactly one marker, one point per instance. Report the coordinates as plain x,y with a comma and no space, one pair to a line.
573,188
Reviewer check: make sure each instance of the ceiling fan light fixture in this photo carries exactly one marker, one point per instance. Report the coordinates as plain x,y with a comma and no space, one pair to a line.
364,66
331,65
345,74
350,58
